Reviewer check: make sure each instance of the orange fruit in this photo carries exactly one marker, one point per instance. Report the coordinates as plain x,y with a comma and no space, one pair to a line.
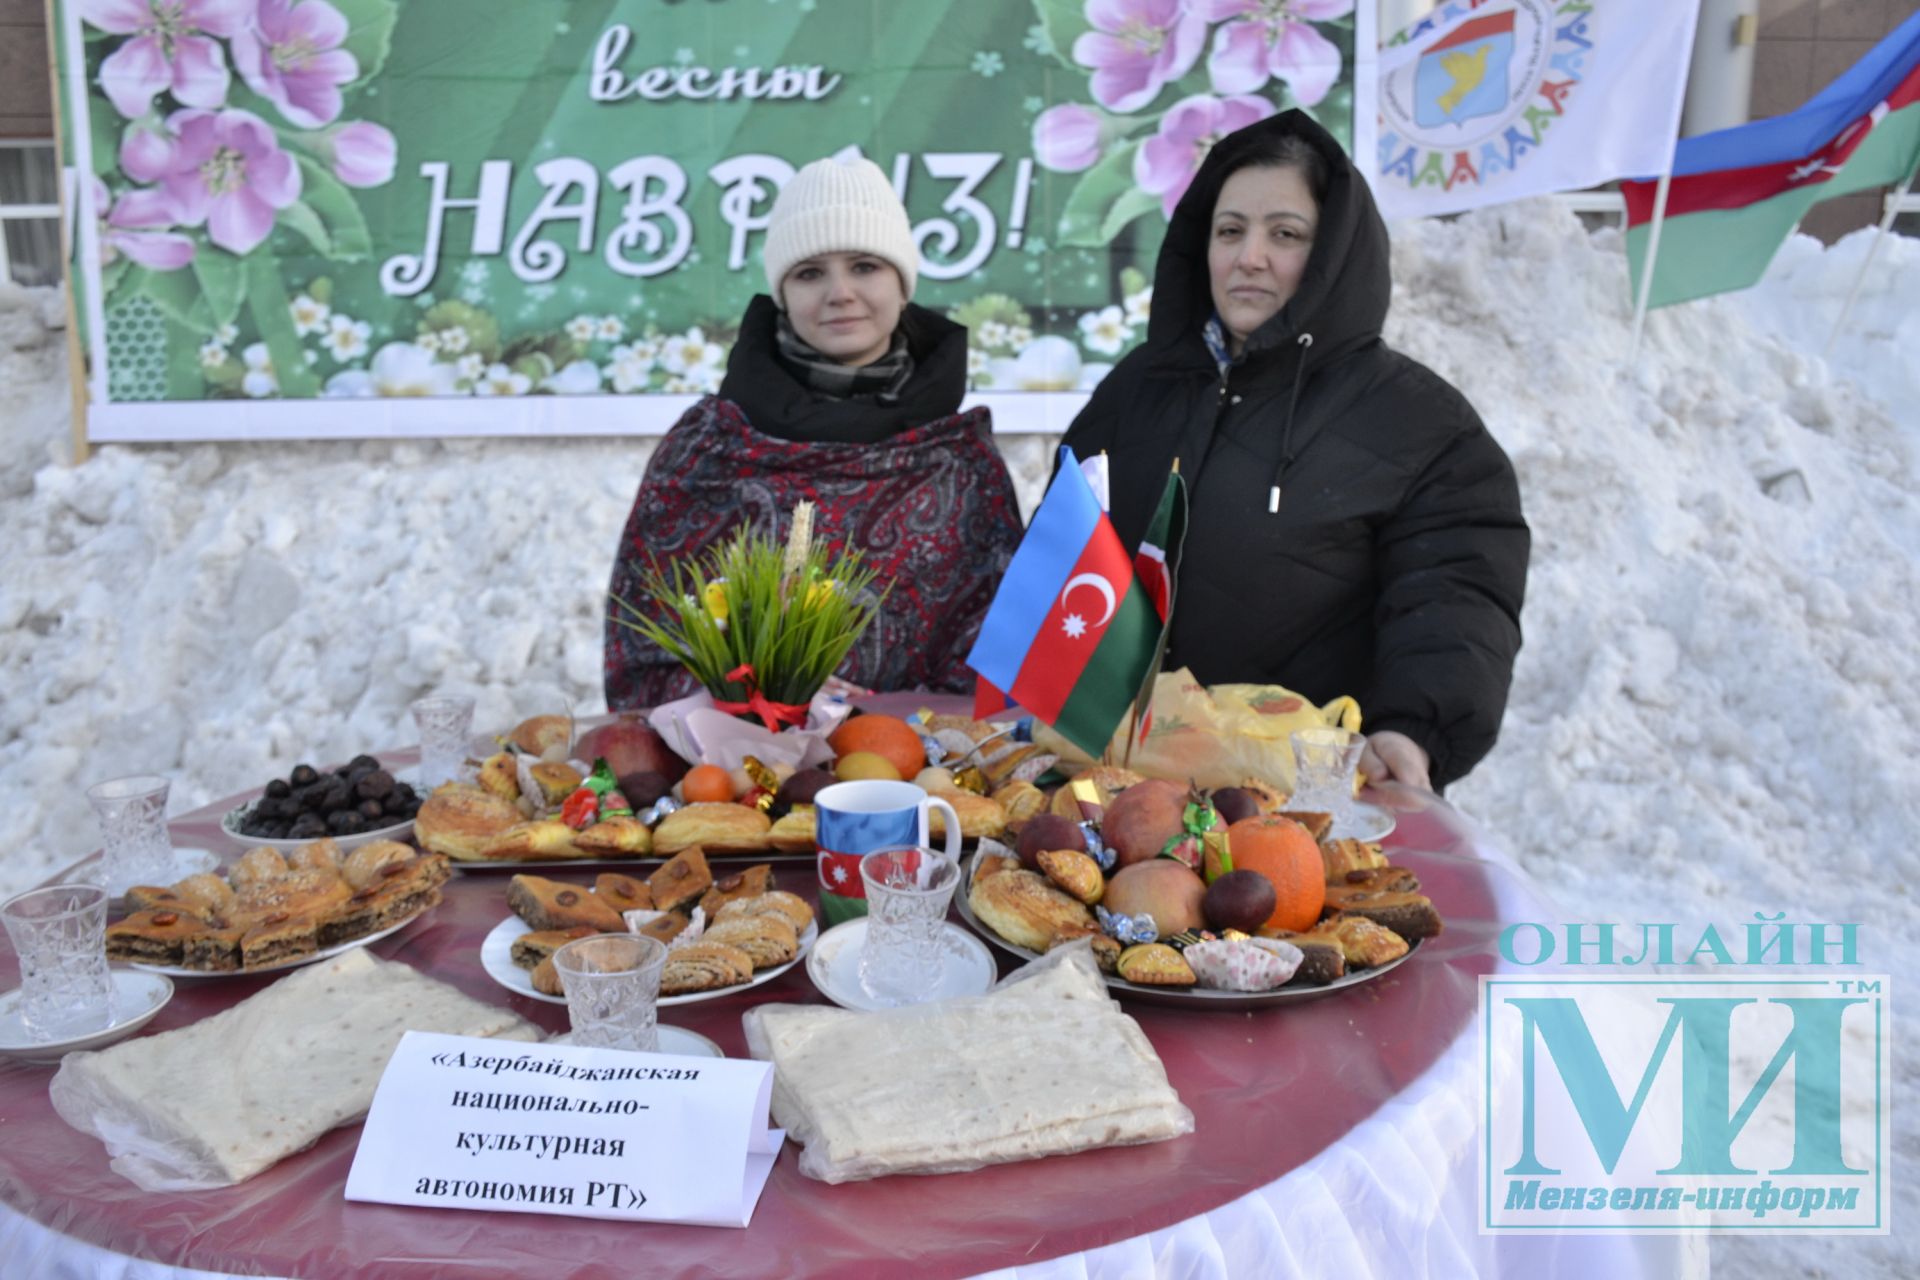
707,782
1281,850
889,737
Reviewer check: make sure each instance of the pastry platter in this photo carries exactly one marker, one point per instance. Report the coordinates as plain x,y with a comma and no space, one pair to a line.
292,962
496,957
1187,997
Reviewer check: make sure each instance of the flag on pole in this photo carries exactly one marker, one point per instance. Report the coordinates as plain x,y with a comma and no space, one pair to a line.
1737,193
1070,632
1484,101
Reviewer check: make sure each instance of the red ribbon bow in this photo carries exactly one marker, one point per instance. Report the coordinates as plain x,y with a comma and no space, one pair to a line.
772,714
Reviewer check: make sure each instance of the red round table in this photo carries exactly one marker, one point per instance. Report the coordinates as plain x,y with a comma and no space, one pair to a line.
1269,1091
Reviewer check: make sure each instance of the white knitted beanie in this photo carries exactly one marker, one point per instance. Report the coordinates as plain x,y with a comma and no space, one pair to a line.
842,204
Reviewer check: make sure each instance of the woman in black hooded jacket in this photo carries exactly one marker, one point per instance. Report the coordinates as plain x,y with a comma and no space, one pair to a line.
1353,528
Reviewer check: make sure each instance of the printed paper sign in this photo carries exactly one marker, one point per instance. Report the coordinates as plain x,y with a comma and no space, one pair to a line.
467,1123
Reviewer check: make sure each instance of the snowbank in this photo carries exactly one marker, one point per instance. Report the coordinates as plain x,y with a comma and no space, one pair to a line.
1715,712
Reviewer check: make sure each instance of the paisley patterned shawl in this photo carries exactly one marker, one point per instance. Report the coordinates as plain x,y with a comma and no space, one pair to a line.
932,509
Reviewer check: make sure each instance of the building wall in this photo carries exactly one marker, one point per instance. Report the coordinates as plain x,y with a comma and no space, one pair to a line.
1804,46
26,99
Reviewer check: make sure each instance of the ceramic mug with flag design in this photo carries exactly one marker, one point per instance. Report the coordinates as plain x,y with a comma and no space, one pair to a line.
853,819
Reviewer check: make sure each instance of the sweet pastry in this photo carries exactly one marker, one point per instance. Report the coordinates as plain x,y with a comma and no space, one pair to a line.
1243,964
1155,964
1075,872
147,897
1021,800
986,864
1318,825
1322,958
277,937
529,949
546,978
715,827
979,816
499,775
538,735
548,904
680,882
215,951
398,891
1343,857
548,838
1408,913
312,894
704,966
1024,909
153,937
458,820
362,866
209,896
1364,943
750,883
796,830
777,901
1106,952
769,939
1106,781
615,838
664,927
255,866
557,781
319,855
622,893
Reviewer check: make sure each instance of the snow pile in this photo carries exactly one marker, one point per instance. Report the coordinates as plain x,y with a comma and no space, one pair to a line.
1715,712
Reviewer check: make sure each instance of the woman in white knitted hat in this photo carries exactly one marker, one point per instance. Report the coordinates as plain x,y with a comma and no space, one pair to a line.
842,392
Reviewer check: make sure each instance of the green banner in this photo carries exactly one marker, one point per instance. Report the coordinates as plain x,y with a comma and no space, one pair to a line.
327,201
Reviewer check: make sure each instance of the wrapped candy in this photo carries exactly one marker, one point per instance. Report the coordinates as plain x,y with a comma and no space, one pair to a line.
1127,930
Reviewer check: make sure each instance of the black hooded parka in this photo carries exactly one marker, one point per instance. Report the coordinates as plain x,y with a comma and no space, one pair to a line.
1353,528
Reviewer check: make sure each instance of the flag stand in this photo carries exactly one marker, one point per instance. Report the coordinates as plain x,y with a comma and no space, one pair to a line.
1646,267
1866,264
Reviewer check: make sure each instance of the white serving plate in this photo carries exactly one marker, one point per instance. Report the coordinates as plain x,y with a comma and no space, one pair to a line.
136,998
1184,997
496,957
675,1040
967,967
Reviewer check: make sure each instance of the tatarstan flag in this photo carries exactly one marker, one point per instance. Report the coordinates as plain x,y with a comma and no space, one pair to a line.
1737,193
1070,633
1156,565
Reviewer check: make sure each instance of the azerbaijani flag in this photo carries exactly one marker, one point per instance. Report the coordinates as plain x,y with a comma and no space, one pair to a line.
1156,565
1070,633
1737,193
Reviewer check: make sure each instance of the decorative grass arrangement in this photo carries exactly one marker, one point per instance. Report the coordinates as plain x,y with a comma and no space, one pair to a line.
761,626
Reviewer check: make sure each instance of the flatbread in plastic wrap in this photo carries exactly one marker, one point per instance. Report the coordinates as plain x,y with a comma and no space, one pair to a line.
1047,1064
217,1102
1216,737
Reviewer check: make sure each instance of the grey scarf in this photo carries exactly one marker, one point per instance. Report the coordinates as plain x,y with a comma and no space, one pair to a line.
880,381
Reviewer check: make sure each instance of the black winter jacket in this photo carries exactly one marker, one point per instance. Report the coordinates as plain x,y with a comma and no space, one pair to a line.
1395,565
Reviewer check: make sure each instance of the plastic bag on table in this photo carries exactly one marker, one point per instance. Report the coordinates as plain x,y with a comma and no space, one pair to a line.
217,1102
952,1086
1216,737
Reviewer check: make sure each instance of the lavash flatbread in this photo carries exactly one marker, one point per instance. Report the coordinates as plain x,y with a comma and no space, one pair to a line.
217,1102
1046,1066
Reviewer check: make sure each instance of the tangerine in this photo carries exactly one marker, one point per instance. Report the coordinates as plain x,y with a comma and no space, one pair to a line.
889,737
707,782
1285,853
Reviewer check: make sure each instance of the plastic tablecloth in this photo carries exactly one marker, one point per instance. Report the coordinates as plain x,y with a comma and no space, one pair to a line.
1333,1137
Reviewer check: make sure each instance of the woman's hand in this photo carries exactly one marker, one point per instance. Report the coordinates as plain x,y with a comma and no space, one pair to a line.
1395,757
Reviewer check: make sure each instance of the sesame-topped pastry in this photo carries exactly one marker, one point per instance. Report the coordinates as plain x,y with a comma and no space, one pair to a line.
791,905
767,938
208,896
316,855
362,866
256,866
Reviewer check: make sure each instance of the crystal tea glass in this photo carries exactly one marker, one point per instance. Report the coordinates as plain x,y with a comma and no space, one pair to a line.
60,935
908,890
613,985
446,725
1325,764
133,829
